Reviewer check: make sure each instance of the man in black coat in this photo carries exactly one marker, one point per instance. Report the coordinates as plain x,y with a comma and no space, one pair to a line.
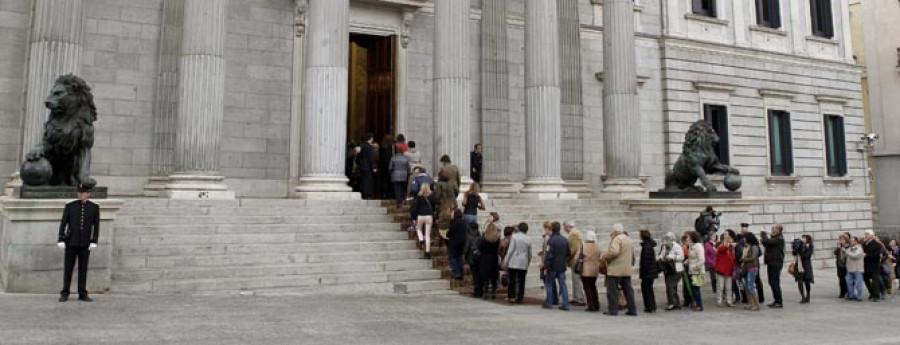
366,162
872,266
477,162
774,259
555,265
79,230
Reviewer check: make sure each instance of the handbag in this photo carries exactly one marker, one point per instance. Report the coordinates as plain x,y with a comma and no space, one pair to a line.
579,265
698,280
603,267
792,268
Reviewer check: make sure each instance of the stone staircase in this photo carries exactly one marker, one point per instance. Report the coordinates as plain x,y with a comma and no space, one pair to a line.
265,246
589,214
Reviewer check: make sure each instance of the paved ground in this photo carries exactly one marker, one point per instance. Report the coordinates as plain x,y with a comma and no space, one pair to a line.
118,319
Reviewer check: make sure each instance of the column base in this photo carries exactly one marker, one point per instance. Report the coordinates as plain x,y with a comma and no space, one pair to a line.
547,190
501,190
155,186
325,188
191,187
625,188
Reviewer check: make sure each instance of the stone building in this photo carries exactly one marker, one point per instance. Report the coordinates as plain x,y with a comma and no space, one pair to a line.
876,45
258,98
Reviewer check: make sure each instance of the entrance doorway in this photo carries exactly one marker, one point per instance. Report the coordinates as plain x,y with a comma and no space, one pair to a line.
372,95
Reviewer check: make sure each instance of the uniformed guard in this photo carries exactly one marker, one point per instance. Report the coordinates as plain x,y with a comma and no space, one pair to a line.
79,230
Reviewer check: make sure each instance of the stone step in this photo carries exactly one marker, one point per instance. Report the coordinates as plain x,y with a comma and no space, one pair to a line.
220,285
209,229
569,215
534,202
252,247
421,287
137,203
256,238
139,275
190,220
123,263
254,211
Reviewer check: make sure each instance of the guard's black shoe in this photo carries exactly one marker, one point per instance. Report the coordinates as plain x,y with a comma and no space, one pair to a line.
85,299
63,298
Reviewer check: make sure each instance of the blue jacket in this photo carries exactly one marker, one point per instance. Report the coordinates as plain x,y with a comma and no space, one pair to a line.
557,253
418,181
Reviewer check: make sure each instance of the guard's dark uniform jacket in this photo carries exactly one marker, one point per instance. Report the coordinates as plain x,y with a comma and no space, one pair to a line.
80,224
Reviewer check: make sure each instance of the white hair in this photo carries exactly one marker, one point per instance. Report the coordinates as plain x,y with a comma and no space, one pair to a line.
590,237
618,228
569,223
869,233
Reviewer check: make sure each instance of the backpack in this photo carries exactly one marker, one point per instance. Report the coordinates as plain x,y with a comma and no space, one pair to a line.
475,253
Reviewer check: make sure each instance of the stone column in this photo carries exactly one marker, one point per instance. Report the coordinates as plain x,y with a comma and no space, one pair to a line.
324,133
542,99
452,87
201,84
621,117
495,95
571,107
165,107
57,33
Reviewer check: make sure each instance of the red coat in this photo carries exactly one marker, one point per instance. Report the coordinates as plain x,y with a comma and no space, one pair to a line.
724,260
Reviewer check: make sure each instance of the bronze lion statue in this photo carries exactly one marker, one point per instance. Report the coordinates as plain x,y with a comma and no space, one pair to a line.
68,137
698,158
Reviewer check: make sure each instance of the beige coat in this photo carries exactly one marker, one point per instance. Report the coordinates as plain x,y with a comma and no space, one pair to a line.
575,242
591,260
452,173
619,257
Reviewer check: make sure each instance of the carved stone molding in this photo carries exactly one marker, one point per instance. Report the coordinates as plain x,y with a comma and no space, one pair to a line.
406,29
300,10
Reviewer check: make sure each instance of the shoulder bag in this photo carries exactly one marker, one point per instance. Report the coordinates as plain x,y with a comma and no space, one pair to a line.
579,265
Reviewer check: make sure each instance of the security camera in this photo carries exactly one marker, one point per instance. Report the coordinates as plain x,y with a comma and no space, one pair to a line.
870,137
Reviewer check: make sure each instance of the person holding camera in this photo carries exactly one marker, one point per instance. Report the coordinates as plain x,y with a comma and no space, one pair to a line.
774,260
802,249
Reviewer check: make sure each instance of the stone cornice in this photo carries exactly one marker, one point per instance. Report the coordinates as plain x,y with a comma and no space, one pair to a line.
831,99
777,93
716,87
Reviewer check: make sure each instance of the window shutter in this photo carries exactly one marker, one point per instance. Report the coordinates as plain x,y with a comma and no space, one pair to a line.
698,7
775,11
841,147
788,145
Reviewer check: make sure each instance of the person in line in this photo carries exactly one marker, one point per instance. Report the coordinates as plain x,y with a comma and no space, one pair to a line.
649,270
591,264
724,267
415,161
709,249
547,232
400,144
687,295
488,262
452,173
854,253
446,192
774,260
575,243
399,168
477,161
802,250
472,202
79,231
696,267
383,175
872,269
424,205
750,269
840,261
619,257
556,256
745,228
671,258
516,261
472,257
456,241
366,162
421,177
504,248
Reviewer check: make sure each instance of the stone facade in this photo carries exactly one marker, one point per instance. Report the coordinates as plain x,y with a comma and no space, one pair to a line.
691,60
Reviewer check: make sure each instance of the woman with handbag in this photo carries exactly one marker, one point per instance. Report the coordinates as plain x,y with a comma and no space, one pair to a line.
724,267
589,257
489,262
803,273
750,269
696,268
649,270
671,258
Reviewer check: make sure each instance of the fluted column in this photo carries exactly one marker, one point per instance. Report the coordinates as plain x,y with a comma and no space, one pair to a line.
57,33
324,124
571,112
542,98
621,117
495,93
452,86
201,90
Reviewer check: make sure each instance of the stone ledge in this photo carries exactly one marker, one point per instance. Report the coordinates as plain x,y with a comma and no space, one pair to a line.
768,30
706,19
50,209
773,180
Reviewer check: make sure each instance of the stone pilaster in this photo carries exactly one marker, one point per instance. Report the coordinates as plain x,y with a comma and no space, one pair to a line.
495,91
324,124
621,117
57,35
201,85
571,107
452,86
165,108
542,99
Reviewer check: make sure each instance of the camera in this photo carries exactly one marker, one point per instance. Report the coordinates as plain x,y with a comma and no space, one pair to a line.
870,136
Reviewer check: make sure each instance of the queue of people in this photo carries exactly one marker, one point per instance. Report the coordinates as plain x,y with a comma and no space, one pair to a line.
684,262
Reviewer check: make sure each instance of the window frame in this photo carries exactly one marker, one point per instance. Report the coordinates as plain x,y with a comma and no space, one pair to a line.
835,166
706,8
773,21
785,142
723,149
822,18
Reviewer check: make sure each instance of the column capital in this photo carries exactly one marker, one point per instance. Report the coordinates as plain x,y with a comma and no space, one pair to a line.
301,8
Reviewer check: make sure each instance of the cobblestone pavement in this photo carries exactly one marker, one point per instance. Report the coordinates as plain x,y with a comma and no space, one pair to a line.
235,319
